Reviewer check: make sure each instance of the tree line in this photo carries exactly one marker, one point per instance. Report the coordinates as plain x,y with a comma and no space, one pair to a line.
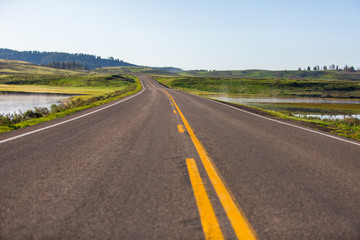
66,65
331,67
44,58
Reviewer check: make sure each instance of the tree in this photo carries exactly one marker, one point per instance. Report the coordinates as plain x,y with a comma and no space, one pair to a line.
308,68
44,58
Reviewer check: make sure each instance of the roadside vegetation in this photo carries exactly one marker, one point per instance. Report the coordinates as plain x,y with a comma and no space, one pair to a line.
213,87
70,84
92,90
10,122
347,127
265,87
346,73
129,70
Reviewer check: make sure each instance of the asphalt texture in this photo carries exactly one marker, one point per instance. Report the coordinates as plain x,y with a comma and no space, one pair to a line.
120,173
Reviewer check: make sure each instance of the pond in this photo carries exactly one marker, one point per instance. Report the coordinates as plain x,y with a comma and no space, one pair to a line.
15,102
310,107
285,100
333,117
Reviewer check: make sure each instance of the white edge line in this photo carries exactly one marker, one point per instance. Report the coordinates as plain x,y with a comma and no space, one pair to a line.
75,118
274,120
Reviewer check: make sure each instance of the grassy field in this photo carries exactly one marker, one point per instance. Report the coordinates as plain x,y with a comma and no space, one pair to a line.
238,74
133,71
265,87
54,89
17,76
264,74
11,67
74,106
312,108
74,84
95,89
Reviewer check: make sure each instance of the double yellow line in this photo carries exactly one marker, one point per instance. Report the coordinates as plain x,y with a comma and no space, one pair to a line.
211,227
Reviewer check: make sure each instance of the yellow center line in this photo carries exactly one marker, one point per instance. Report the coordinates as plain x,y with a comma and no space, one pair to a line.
181,128
174,111
208,218
240,224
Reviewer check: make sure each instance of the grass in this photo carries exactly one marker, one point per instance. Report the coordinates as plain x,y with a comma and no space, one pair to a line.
11,67
131,70
349,127
91,85
74,106
53,89
264,74
266,87
95,89
313,108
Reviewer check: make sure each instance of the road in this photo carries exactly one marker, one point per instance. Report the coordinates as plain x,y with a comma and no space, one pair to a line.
169,165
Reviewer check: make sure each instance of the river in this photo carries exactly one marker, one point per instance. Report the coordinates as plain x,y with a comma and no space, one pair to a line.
15,102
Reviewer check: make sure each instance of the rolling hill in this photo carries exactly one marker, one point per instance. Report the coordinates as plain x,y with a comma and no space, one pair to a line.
266,74
13,67
42,58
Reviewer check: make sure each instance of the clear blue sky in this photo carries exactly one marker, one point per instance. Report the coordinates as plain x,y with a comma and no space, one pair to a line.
191,34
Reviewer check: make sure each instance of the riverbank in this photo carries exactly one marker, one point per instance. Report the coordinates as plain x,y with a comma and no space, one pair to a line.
38,115
347,127
16,102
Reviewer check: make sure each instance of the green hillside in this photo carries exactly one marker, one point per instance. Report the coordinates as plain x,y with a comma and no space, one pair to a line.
95,89
243,74
135,70
12,67
18,76
40,58
265,74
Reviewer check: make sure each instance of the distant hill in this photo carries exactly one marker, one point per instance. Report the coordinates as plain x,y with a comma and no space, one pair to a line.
43,58
169,69
166,71
265,74
14,67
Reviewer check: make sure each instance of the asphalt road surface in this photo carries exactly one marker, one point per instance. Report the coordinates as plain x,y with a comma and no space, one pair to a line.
169,165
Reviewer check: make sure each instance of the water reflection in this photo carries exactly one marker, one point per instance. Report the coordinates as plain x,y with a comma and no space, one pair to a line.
10,103
285,100
326,116
303,107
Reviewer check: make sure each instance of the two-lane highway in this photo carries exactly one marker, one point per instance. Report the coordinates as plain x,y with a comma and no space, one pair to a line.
168,165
